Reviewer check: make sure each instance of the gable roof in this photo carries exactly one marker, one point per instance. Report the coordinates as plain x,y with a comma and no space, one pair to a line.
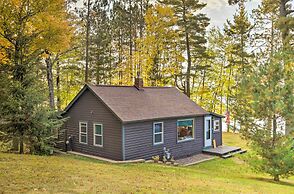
130,104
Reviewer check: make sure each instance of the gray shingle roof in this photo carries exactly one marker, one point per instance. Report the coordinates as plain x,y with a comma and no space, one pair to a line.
130,104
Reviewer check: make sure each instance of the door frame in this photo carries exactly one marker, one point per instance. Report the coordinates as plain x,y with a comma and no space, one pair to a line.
207,142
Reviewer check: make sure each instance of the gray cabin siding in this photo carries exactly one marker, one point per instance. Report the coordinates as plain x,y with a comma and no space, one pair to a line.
90,109
217,135
138,139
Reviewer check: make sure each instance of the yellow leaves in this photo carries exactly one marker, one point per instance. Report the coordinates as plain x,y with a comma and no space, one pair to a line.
45,23
56,32
3,57
157,52
44,55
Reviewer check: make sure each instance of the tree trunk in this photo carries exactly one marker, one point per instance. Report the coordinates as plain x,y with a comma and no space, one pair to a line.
228,94
283,13
203,84
21,145
274,130
87,42
188,73
50,81
131,42
276,178
58,102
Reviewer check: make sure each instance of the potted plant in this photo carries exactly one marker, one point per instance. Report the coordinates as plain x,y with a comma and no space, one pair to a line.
164,159
155,159
172,160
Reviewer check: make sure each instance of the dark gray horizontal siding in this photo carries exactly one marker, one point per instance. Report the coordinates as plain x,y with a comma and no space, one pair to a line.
139,140
217,135
89,108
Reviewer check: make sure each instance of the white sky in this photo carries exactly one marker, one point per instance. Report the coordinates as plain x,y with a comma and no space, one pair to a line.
219,10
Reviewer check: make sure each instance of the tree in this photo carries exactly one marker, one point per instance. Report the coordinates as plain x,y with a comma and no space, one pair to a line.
285,19
239,57
24,114
269,89
192,27
158,54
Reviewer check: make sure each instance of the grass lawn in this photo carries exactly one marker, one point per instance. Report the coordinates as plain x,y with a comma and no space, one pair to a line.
73,174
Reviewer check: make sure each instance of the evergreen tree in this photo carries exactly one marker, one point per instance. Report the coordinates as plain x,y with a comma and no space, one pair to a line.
239,57
191,29
24,114
269,89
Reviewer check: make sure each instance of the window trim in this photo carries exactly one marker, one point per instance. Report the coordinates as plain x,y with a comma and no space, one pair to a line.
162,133
100,135
80,132
193,132
214,121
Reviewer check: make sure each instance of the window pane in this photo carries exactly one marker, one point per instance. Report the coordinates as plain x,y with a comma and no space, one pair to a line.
185,129
157,138
98,140
158,127
216,125
98,129
83,127
208,129
185,123
83,138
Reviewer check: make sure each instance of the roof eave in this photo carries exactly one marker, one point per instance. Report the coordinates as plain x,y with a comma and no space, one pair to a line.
163,118
87,86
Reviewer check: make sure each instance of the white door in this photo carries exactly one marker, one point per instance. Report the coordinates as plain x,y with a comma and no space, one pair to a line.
207,131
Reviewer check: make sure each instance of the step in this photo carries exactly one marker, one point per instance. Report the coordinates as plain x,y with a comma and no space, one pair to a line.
227,156
233,153
243,151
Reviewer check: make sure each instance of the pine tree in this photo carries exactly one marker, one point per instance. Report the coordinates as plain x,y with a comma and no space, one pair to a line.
24,115
192,26
269,89
239,57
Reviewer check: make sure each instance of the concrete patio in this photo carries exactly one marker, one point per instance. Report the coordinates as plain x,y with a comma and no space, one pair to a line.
195,159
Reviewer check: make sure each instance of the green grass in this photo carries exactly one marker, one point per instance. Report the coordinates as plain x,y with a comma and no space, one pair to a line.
73,174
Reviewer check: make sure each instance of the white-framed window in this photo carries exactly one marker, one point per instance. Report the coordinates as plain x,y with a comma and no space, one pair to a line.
185,130
216,125
157,133
83,132
98,134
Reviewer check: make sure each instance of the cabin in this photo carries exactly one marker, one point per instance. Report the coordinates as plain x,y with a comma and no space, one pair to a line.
136,122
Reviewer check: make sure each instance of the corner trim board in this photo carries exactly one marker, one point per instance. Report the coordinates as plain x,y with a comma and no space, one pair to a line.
123,143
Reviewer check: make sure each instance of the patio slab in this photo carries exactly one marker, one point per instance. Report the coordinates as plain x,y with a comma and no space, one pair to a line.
195,159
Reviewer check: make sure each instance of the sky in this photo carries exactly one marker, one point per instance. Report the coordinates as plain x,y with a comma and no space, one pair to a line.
219,10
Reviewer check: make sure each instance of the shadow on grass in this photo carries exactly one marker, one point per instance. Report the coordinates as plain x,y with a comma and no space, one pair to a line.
272,181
